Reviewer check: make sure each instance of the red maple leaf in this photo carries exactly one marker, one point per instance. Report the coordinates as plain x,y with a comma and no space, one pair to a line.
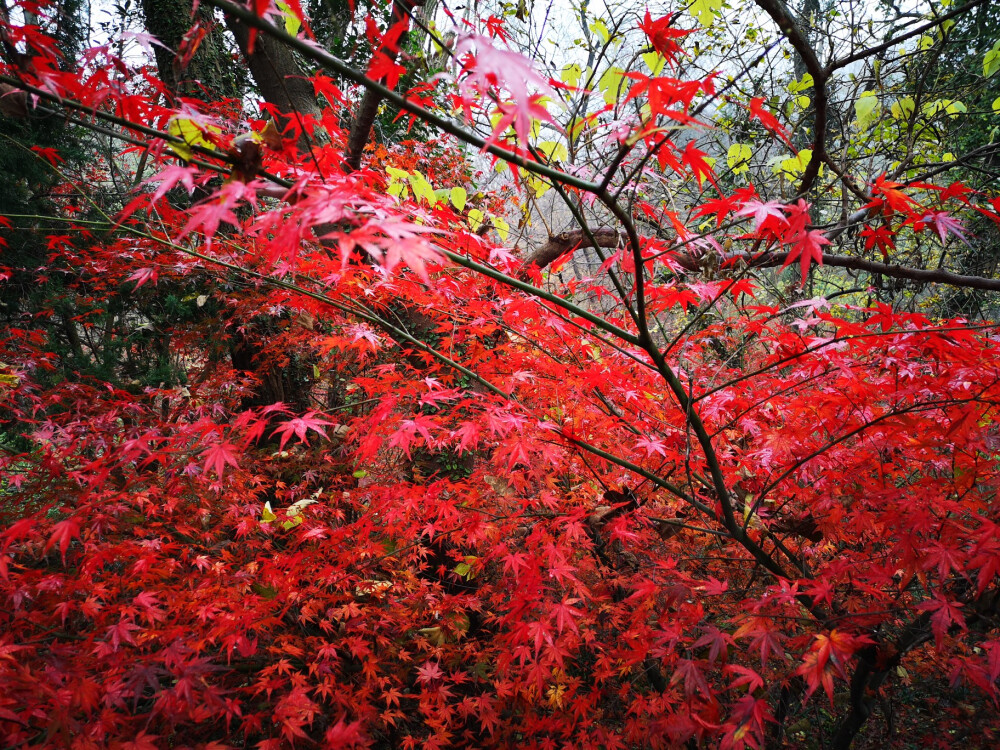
62,534
695,159
49,154
219,455
663,36
807,247
768,120
300,426
881,237
945,614
889,198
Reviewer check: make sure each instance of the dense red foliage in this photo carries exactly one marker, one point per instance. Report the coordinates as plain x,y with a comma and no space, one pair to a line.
497,518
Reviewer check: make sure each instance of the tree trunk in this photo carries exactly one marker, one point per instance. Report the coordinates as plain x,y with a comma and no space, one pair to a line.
210,72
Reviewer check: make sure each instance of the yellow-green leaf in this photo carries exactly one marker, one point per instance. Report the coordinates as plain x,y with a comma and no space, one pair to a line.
991,63
655,62
464,569
292,22
738,158
902,108
267,515
611,84
601,29
459,197
191,133
575,127
571,74
475,219
796,165
554,150
502,227
422,189
537,186
705,11
865,108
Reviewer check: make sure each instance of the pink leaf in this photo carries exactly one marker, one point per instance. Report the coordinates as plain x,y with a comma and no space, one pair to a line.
489,68
300,426
763,213
143,275
945,225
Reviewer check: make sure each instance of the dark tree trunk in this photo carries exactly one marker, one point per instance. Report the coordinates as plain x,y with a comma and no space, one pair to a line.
210,72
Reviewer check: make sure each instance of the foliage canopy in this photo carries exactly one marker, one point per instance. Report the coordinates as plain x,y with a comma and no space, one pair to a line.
435,387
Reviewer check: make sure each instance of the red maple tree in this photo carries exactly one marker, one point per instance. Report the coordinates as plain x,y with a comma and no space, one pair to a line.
408,494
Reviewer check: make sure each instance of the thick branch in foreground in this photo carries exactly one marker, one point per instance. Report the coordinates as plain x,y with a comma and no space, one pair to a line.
922,275
562,243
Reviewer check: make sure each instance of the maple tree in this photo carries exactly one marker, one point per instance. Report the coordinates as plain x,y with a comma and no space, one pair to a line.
301,446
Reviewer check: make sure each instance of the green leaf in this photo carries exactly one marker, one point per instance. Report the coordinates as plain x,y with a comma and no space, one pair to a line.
571,74
459,197
292,22
865,108
267,592
991,63
705,11
611,84
738,158
804,84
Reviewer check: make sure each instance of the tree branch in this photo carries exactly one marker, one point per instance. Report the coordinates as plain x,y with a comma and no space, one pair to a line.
782,16
361,128
563,242
922,275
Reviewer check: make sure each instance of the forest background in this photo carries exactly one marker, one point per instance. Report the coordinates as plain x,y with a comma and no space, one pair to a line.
439,375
